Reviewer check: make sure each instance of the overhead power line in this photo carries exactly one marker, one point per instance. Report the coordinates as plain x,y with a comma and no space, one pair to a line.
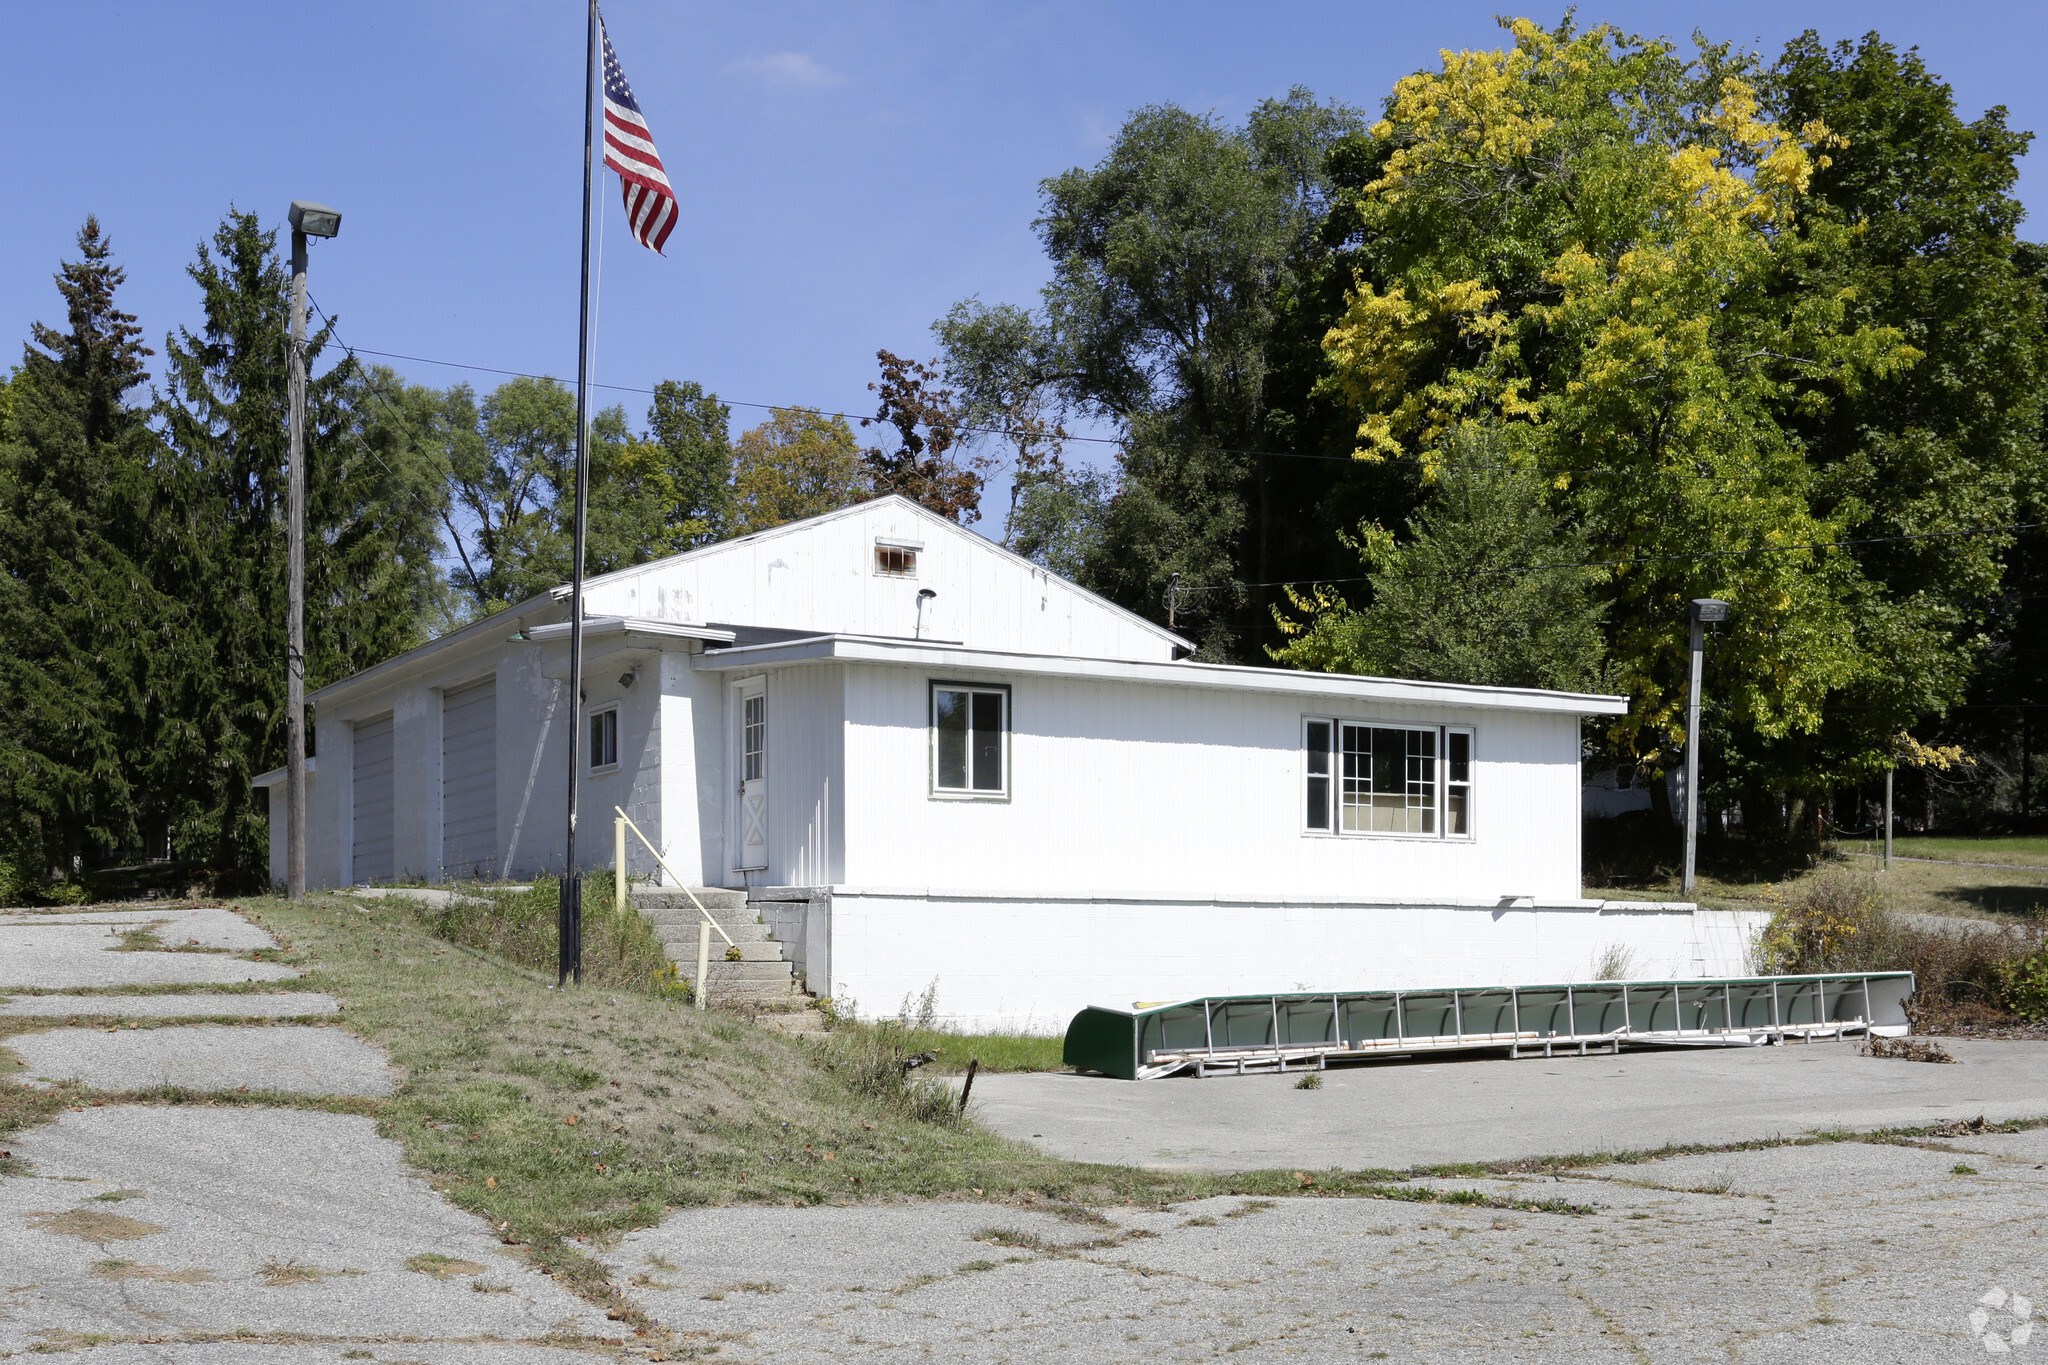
1539,471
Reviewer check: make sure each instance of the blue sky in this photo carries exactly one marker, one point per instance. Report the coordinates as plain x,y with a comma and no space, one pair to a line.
846,170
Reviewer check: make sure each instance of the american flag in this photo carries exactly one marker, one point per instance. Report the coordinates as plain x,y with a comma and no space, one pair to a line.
629,150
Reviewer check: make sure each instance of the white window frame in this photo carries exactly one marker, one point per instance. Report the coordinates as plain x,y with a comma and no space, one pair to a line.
592,767
1333,794
912,548
938,793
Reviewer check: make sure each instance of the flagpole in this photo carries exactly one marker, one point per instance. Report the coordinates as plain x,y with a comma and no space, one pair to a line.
569,926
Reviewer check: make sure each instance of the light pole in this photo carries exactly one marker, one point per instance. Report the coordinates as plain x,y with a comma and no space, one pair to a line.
308,220
1705,611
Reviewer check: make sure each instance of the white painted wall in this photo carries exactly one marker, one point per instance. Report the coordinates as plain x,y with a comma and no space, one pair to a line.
1169,792
1030,965
819,576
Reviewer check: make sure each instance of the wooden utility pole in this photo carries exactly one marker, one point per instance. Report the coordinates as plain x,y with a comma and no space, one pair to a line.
319,221
295,592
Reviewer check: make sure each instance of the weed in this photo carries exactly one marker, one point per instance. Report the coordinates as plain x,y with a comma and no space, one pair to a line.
1961,1168
441,1267
1310,1081
1615,962
93,1225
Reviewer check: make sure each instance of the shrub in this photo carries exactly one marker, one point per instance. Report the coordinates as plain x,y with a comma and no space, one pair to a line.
2024,984
1836,921
872,1061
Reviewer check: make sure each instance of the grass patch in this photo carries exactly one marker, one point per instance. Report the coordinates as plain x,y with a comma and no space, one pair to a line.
995,1051
2020,850
619,949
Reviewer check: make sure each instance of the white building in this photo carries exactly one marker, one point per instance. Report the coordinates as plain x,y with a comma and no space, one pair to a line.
930,760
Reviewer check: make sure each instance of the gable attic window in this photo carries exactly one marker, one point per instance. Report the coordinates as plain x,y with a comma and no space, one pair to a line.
1400,780
970,740
896,559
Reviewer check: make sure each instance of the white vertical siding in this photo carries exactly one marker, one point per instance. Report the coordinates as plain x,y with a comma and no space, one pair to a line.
806,776
1171,791
820,576
693,771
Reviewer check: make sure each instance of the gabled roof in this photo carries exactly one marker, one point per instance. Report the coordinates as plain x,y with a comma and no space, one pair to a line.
940,525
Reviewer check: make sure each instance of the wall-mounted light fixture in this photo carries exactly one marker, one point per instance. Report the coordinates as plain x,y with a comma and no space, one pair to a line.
626,678
924,595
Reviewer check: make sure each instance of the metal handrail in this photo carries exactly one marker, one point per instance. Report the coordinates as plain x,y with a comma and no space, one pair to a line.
707,923
628,821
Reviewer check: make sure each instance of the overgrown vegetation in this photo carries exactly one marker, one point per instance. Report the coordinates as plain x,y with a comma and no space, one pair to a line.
523,926
1838,921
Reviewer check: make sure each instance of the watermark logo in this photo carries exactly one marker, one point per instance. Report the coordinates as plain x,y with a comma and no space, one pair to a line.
2002,1321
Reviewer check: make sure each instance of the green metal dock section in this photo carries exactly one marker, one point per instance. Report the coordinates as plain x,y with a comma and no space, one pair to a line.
1236,1034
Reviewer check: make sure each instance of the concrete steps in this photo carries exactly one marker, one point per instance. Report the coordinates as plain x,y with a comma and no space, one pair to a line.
761,975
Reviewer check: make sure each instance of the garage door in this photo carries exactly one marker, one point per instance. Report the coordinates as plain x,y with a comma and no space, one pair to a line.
372,847
469,781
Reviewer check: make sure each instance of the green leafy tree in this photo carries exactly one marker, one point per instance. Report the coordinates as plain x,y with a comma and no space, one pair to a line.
1172,259
692,479
1486,588
1605,243
83,632
796,464
1951,444
512,463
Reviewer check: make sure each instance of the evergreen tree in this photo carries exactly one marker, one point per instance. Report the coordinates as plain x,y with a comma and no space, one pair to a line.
1485,589
79,621
220,541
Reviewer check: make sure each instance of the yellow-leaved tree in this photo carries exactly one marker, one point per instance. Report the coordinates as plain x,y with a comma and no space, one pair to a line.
1604,246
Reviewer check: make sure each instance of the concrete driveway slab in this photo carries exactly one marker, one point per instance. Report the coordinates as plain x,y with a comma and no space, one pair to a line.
331,1352
1482,1109
1813,1270
303,1060
205,926
63,956
280,1005
151,1222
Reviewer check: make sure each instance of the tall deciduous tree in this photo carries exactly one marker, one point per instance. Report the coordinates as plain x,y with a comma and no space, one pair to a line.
796,464
1952,444
927,420
1593,237
512,464
1173,257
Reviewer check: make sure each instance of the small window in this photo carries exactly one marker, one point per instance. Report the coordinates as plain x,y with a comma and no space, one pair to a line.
970,740
1458,784
604,739
895,561
754,739
1318,736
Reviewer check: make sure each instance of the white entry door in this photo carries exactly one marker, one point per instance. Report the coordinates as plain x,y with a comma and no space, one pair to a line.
750,747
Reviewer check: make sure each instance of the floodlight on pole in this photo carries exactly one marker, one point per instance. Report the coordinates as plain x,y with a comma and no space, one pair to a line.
1706,611
315,220
308,220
